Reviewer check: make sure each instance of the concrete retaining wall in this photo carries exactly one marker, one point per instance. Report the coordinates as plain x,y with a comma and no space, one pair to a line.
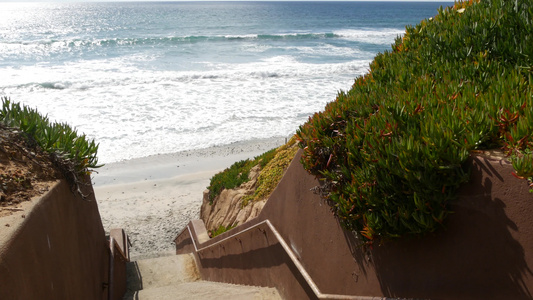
230,258
55,249
485,252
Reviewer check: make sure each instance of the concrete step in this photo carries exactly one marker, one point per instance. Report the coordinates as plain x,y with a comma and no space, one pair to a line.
161,271
176,277
207,290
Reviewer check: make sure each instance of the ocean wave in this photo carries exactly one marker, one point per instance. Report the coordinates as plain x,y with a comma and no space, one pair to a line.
54,85
383,36
172,40
48,85
105,73
267,71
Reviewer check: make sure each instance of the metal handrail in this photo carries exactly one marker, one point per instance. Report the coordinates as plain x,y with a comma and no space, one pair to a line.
310,282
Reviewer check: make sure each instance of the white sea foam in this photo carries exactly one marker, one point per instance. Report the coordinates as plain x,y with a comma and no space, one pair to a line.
133,112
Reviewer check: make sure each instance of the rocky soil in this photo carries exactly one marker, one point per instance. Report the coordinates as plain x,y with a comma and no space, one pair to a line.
233,207
25,170
227,209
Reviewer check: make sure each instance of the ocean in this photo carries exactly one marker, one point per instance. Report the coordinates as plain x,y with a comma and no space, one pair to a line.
146,78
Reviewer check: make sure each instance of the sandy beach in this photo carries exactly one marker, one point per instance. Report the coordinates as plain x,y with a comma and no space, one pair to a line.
153,198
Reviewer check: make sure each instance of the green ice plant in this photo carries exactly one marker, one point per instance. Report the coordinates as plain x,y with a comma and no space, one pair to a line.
272,163
390,152
236,174
221,229
58,139
272,171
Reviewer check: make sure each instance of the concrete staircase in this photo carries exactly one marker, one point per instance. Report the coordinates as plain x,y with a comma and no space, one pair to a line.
176,277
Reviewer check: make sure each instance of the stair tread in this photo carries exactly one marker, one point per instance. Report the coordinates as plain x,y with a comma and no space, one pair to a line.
177,277
207,290
161,271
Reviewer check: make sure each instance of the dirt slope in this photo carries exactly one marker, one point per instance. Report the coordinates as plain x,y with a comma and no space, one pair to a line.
25,171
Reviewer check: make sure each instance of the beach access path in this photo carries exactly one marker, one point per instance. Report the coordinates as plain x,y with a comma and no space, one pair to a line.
153,198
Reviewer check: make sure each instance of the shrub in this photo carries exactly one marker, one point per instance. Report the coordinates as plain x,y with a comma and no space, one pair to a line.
221,229
272,171
390,152
72,152
236,174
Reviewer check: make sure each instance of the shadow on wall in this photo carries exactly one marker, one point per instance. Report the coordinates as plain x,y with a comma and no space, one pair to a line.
58,249
269,257
480,254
